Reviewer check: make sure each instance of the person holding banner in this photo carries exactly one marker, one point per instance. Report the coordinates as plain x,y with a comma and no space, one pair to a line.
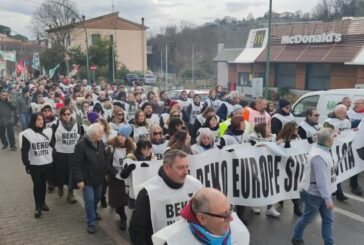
308,128
205,141
356,115
207,219
289,133
282,116
316,188
341,123
160,201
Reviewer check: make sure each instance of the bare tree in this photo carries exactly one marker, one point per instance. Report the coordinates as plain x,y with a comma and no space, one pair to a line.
53,14
323,10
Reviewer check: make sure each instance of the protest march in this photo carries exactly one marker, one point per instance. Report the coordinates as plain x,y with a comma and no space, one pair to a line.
165,160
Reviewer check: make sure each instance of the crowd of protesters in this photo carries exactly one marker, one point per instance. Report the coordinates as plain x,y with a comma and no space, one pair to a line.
78,135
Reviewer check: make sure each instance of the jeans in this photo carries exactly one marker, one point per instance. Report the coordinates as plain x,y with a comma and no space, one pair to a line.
24,120
7,130
39,175
91,196
313,205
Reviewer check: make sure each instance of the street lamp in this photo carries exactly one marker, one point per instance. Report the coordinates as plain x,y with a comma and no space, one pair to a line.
166,78
268,51
85,30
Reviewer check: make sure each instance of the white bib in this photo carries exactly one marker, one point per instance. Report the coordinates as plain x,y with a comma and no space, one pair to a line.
40,153
180,234
310,130
166,203
316,151
66,140
340,125
194,112
140,133
153,120
118,160
159,149
284,119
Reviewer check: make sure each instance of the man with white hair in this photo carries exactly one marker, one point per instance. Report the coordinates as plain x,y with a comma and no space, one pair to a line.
207,219
255,113
316,188
89,167
341,123
356,115
226,108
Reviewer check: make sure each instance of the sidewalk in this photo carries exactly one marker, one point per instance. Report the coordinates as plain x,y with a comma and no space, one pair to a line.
64,224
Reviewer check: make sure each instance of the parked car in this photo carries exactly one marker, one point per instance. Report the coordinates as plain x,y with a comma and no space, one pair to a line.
174,94
324,101
131,78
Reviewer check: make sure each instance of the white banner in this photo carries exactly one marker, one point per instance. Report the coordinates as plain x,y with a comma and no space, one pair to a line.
265,173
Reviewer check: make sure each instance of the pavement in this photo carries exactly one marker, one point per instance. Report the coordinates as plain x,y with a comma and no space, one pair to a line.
66,223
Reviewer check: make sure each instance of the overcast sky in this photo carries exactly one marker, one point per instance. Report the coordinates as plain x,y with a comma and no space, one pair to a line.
157,13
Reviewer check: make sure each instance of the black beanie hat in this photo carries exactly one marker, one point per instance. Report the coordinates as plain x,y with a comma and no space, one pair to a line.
283,103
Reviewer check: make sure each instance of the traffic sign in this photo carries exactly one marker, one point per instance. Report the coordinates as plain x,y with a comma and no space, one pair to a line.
93,67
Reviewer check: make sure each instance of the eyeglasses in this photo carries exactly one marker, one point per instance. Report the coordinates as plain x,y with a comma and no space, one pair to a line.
157,133
226,217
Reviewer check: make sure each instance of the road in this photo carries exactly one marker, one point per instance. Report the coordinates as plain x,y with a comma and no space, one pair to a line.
65,223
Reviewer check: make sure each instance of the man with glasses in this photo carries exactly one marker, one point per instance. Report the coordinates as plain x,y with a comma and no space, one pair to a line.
160,201
207,219
308,128
282,116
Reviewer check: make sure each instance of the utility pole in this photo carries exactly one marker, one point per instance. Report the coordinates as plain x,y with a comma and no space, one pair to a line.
267,64
193,63
167,64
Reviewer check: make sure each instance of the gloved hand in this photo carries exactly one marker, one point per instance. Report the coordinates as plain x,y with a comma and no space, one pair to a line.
127,169
27,169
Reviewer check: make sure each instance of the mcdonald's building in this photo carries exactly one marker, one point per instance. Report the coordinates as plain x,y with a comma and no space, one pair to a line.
304,56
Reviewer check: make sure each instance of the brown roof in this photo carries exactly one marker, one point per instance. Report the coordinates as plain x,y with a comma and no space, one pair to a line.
108,21
345,51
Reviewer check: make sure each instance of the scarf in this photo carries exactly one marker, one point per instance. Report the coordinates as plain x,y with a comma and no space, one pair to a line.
68,125
207,238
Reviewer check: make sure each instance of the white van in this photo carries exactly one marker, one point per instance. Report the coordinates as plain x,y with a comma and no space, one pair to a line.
324,101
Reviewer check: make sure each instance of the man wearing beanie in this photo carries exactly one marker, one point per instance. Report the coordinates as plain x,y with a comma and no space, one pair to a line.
92,117
282,116
152,118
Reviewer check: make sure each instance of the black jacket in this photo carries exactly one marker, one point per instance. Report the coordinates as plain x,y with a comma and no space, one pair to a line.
140,228
89,163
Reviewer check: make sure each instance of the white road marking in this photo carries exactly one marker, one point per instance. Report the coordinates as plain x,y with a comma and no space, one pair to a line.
349,214
356,198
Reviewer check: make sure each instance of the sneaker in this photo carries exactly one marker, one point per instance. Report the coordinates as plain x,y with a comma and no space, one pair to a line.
38,213
45,207
13,148
341,197
298,242
357,190
91,229
4,147
273,212
256,210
